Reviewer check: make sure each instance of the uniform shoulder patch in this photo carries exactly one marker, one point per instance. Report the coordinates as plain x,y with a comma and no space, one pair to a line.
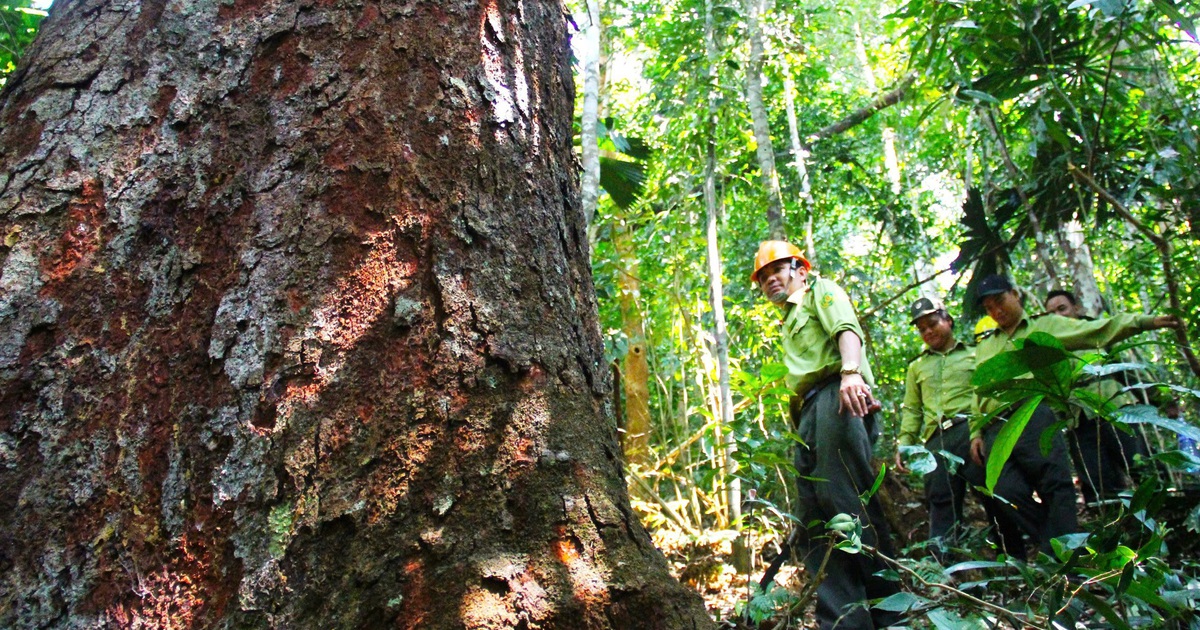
826,300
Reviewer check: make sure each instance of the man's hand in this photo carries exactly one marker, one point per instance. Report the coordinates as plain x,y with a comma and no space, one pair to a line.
1166,321
977,451
855,395
900,467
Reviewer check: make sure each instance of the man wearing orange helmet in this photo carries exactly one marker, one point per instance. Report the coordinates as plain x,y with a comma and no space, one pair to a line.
833,410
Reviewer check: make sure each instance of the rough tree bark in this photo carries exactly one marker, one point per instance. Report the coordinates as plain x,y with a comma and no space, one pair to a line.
299,329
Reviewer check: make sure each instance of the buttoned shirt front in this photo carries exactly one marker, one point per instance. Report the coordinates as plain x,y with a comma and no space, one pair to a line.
815,316
937,387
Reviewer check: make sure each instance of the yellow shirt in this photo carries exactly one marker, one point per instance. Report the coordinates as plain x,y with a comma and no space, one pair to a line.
1075,334
937,386
815,316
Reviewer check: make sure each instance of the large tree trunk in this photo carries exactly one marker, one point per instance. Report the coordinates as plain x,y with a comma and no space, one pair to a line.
298,327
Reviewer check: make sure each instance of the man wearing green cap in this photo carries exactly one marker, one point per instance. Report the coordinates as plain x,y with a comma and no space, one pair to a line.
1027,467
833,410
937,404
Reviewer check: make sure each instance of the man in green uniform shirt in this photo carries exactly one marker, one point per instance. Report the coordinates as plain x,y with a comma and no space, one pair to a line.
938,400
1103,455
833,410
1027,467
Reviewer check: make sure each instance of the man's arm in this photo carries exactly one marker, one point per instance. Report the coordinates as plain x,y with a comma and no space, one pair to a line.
912,414
855,394
1077,334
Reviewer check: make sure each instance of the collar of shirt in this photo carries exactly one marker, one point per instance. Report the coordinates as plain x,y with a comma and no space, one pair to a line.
958,343
798,294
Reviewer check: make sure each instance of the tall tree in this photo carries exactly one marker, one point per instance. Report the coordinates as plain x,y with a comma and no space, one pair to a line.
298,326
765,148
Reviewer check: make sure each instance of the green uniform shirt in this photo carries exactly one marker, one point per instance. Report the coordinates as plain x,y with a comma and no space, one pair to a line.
815,317
1075,334
937,387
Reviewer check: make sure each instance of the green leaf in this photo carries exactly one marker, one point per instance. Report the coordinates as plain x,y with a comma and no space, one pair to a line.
919,459
1007,439
773,372
980,96
1038,351
948,620
971,565
901,602
1146,414
1104,608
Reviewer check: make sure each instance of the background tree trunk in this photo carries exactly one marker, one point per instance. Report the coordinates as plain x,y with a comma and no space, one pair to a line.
635,366
765,148
299,329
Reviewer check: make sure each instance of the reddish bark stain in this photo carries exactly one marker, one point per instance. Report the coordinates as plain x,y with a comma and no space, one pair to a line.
21,135
238,10
369,15
148,17
162,101
85,216
280,69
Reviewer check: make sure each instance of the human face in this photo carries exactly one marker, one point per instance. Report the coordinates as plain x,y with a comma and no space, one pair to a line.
1061,305
1005,308
779,279
937,331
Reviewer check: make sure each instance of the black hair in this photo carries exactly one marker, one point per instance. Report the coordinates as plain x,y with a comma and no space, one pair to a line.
1064,293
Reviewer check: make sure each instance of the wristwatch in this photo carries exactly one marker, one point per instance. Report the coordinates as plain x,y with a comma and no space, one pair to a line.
850,368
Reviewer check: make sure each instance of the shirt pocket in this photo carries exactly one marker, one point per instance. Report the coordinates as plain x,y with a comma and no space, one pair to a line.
796,323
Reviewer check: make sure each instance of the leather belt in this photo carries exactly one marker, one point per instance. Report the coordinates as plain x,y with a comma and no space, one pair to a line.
952,421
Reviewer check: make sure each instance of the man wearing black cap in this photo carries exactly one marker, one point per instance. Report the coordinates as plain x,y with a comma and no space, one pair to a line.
1049,474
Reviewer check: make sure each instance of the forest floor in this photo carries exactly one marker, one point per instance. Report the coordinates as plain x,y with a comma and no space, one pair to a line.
705,563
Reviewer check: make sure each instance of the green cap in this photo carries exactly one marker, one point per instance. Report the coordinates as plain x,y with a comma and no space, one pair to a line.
923,307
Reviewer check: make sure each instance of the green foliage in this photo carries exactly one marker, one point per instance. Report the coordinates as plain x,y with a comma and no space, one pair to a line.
18,26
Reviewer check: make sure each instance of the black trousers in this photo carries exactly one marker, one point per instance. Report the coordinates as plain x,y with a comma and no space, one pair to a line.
945,492
1028,470
1103,456
834,468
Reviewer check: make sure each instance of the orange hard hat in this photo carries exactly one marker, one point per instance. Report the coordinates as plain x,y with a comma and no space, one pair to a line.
770,251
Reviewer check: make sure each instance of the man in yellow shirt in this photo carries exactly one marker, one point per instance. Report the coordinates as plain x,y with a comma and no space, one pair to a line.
1027,467
833,409
938,400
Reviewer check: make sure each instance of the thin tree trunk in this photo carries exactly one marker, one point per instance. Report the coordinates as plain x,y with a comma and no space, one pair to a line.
733,495
765,148
1073,243
891,162
635,371
299,328
1165,253
799,161
1041,243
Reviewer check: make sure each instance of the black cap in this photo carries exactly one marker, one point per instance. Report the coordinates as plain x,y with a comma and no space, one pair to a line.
992,285
923,307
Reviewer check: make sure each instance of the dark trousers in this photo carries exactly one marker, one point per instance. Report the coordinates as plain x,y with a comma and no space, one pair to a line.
1028,470
834,468
1103,456
945,492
